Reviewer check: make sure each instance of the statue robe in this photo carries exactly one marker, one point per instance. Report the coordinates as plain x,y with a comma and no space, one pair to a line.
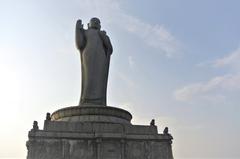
96,49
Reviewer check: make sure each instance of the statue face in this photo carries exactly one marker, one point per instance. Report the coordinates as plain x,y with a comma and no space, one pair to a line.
95,23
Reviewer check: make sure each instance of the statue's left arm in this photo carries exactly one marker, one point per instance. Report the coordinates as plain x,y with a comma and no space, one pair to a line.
107,43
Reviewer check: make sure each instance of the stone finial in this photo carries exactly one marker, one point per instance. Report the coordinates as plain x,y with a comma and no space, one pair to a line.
165,131
35,125
48,116
152,123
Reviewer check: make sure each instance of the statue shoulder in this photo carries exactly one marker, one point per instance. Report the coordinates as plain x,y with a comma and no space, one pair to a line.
106,42
103,33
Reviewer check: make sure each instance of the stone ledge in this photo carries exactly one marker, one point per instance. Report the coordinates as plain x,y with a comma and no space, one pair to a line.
91,127
92,114
41,134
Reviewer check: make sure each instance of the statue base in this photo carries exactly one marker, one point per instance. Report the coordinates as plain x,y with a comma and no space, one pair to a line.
98,132
92,114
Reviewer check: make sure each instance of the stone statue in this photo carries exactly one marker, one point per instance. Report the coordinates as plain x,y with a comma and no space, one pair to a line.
48,116
95,51
93,130
152,123
35,126
165,131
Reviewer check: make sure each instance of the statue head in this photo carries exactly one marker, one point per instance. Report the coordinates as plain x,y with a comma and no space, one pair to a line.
94,23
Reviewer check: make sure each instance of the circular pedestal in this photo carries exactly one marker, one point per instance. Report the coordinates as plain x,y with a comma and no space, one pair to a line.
92,114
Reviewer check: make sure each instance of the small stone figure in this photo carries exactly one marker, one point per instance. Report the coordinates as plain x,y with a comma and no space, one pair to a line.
165,131
48,116
35,125
152,122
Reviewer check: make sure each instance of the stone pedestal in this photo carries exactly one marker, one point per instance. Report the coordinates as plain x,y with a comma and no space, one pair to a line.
96,132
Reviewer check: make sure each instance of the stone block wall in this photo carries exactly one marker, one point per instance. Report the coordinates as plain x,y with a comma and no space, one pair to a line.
98,149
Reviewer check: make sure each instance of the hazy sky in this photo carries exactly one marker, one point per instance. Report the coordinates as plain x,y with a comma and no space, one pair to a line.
175,60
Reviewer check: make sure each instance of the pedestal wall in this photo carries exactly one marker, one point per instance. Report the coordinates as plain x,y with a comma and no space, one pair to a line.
97,139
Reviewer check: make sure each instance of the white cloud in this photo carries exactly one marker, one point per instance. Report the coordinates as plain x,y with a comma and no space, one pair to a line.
216,87
156,36
206,90
231,60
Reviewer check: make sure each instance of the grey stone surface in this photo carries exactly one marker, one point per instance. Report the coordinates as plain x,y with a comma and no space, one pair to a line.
95,49
94,127
76,140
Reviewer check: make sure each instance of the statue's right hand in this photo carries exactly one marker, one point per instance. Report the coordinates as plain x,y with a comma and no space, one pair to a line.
79,24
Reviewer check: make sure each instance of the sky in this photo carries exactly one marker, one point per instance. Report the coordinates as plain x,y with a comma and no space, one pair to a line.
173,61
